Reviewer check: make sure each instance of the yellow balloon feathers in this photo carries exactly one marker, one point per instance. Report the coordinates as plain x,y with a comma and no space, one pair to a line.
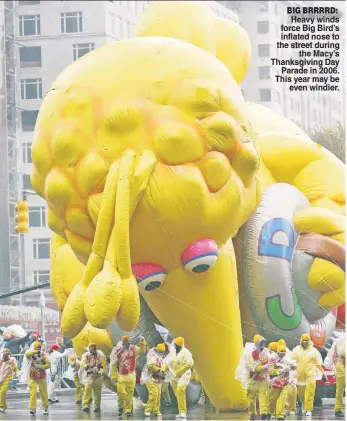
150,161
198,25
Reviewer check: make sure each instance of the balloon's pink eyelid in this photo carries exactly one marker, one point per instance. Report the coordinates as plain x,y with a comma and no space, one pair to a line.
199,248
142,271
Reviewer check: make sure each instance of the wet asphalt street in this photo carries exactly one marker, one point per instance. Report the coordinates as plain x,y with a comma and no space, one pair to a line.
66,409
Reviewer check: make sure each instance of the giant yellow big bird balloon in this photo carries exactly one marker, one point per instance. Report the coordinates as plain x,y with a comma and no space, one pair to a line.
156,172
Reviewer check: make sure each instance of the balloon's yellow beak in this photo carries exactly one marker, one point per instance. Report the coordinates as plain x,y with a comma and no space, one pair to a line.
203,308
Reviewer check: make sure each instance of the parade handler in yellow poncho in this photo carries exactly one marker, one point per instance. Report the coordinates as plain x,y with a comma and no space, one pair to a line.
38,364
93,363
8,368
123,364
336,359
75,364
309,369
179,363
153,376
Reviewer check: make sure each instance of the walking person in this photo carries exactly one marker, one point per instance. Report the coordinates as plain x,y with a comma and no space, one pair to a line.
8,370
75,364
336,359
309,369
38,364
93,363
252,372
179,363
123,364
52,373
153,376
292,394
279,381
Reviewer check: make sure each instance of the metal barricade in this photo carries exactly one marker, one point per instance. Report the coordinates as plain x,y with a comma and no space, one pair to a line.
63,366
19,359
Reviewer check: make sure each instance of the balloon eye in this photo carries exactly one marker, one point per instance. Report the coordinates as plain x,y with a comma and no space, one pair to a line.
149,277
200,256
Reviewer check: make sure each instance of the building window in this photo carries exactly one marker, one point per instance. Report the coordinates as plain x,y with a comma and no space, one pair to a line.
138,7
41,248
71,22
79,50
265,95
28,118
264,72
29,25
264,50
112,22
41,276
124,32
37,216
118,27
26,182
30,57
263,27
26,151
28,2
275,96
31,88
263,6
132,6
274,7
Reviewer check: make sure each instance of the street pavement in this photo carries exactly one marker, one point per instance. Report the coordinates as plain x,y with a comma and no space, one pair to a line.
66,409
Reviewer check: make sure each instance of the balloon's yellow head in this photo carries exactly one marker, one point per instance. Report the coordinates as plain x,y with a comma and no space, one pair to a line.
144,153
146,94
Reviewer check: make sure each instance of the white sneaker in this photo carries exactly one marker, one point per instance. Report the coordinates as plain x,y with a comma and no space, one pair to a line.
308,414
292,413
159,415
273,417
45,412
147,414
2,410
183,415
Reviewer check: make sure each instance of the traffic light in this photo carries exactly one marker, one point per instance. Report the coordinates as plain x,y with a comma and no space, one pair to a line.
22,217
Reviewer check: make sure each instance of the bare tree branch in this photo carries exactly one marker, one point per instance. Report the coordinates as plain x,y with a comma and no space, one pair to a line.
332,139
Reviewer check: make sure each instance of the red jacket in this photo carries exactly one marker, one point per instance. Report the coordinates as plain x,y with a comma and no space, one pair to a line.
126,360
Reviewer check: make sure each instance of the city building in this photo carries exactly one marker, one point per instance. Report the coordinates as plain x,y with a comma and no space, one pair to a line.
308,109
41,39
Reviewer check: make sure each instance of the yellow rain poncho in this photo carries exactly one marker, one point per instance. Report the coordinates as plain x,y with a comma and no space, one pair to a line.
7,369
179,366
153,377
309,369
123,363
75,364
336,359
93,377
279,383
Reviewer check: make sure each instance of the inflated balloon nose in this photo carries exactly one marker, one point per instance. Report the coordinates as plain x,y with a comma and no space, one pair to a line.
149,276
200,256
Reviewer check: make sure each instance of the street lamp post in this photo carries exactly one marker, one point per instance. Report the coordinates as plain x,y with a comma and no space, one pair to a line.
42,307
